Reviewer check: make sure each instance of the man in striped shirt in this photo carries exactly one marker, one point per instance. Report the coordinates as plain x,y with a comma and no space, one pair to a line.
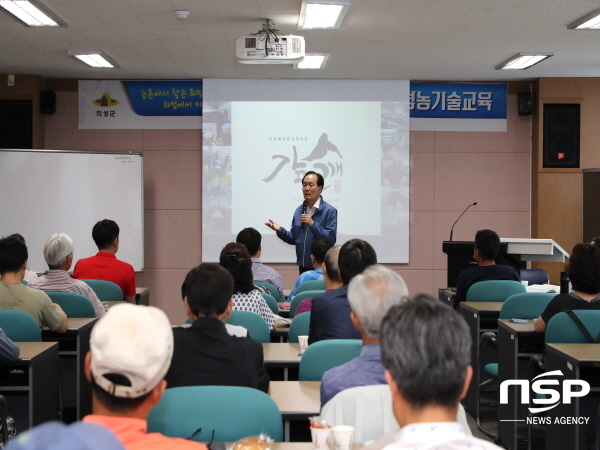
58,253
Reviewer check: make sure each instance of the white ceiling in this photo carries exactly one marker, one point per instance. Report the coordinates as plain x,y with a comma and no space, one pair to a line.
379,39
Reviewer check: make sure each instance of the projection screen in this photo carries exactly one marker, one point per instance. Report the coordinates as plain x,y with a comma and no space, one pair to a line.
261,136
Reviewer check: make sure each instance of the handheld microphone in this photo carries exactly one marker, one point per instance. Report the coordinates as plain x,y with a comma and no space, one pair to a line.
452,229
304,206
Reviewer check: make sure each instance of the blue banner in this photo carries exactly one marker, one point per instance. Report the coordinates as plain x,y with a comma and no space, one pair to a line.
458,101
165,97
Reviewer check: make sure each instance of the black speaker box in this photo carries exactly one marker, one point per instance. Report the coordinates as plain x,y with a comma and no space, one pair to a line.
561,135
48,102
525,104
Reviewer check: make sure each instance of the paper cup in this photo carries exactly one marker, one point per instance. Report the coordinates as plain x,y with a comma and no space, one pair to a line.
303,341
344,437
525,283
320,438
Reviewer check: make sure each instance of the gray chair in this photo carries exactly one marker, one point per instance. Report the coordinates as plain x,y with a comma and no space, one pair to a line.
20,326
254,323
74,305
107,291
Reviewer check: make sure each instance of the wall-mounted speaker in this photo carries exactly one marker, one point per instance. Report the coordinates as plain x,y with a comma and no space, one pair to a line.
48,102
561,135
525,103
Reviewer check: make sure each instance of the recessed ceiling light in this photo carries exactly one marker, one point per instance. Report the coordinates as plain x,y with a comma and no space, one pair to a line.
322,14
522,61
32,13
313,61
95,59
590,21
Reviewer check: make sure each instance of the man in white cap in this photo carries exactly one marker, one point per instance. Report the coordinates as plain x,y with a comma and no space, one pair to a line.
130,352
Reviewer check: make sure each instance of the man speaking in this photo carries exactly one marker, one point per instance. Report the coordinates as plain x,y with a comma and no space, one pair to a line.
312,219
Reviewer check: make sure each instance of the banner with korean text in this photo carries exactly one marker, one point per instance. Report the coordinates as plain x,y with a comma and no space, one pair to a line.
152,104
458,107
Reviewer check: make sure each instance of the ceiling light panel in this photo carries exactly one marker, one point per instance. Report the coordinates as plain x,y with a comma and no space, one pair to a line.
522,61
322,14
32,13
95,59
313,61
590,21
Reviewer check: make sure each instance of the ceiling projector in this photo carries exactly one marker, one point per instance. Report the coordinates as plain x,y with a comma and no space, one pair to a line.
267,47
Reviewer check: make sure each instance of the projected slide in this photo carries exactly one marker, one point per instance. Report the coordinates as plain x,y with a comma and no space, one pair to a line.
261,136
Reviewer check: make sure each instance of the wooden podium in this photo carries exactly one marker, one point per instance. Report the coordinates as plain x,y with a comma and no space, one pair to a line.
513,252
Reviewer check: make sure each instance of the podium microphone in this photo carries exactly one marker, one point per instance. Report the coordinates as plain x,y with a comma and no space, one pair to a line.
304,205
452,229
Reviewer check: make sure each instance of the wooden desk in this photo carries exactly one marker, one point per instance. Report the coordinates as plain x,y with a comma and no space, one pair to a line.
281,332
30,384
284,355
517,342
296,446
446,296
142,296
577,362
296,400
72,348
481,317
110,304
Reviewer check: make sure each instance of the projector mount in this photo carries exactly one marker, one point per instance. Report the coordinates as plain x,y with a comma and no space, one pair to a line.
269,31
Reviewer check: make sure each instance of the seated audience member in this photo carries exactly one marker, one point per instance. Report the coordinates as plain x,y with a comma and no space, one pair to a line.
30,275
15,295
318,249
58,253
371,294
105,265
487,244
236,259
58,436
584,272
426,352
9,351
205,354
330,314
331,274
251,238
130,352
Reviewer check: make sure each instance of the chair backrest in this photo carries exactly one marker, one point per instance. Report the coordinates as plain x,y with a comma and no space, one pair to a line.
272,289
20,326
311,285
254,323
271,302
233,412
107,291
321,356
299,327
534,276
525,306
562,330
74,305
369,410
299,298
494,290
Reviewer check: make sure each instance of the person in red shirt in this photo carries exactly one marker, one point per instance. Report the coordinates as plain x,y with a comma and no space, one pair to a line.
105,265
130,352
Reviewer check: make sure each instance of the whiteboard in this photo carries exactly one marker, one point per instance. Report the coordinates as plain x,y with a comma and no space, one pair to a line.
53,191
